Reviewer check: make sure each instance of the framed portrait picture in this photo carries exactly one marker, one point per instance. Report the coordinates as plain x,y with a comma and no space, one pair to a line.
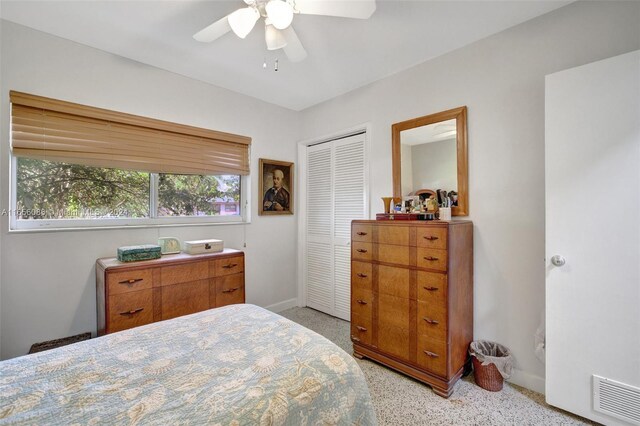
276,187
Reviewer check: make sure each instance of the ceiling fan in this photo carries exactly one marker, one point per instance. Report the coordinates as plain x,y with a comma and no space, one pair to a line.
278,15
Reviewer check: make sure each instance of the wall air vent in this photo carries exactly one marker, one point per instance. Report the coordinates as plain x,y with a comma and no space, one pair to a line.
616,399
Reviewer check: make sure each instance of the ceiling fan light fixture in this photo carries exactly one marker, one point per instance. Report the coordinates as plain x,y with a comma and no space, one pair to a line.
274,38
243,20
280,13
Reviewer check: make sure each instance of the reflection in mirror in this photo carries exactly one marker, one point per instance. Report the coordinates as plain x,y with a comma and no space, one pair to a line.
430,153
428,156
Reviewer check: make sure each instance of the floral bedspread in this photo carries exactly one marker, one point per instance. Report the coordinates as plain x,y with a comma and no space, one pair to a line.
237,365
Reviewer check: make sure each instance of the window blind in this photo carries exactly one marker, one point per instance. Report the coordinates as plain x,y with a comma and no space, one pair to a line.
49,129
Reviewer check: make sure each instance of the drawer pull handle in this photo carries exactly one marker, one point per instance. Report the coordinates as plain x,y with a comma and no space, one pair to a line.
360,328
355,339
431,288
361,275
431,354
362,302
430,321
231,265
231,290
431,258
362,233
361,250
131,281
430,238
132,312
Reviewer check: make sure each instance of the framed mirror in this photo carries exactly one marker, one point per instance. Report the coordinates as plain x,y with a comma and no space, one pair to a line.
430,152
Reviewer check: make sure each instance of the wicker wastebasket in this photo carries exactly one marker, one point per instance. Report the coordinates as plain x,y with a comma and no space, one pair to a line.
487,376
492,363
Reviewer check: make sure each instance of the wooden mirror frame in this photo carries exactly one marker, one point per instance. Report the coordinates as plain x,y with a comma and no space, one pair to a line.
460,114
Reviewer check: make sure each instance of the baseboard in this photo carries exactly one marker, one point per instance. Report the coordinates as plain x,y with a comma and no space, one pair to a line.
282,306
527,380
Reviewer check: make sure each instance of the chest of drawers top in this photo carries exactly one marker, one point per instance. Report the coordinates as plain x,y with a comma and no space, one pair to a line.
420,233
113,264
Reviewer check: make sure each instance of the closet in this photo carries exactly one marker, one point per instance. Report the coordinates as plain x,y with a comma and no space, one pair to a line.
335,194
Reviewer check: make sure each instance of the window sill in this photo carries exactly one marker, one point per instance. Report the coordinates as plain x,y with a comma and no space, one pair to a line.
140,226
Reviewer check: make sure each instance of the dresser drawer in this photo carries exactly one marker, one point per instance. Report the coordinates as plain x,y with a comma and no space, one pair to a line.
361,251
431,237
432,287
126,281
362,233
432,355
185,298
393,311
432,321
431,259
229,290
398,255
394,341
360,329
394,281
362,303
361,275
183,273
228,266
130,309
398,235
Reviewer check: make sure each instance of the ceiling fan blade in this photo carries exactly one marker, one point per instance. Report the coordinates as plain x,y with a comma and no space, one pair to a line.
359,9
294,50
213,31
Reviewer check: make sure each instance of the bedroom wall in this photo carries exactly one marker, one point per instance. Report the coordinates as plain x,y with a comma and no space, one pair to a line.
48,279
501,80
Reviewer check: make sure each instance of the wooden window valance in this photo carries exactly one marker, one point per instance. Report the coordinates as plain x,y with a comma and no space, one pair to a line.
50,129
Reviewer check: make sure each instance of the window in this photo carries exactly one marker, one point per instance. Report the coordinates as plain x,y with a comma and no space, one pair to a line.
80,166
188,195
54,194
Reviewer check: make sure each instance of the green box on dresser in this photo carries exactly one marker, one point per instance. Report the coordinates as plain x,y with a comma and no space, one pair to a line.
142,252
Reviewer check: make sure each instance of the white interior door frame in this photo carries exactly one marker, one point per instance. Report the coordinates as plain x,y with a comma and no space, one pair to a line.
301,206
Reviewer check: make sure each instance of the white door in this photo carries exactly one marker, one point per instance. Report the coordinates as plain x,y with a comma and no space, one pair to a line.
592,157
336,190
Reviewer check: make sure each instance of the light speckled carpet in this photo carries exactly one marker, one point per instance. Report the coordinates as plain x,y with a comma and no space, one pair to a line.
399,400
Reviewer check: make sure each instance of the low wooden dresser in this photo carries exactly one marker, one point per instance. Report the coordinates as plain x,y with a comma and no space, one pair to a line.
136,293
412,297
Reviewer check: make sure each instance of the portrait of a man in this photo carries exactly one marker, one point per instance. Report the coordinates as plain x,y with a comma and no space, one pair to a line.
276,181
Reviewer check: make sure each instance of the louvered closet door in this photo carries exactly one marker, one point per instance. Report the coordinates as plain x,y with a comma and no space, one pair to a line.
336,195
349,203
319,250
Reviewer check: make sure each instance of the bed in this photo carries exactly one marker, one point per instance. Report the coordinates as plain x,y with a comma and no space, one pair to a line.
236,365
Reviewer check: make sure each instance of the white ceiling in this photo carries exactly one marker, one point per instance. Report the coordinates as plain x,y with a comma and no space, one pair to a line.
344,54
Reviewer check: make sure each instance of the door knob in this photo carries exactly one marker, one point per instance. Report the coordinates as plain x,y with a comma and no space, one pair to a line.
558,260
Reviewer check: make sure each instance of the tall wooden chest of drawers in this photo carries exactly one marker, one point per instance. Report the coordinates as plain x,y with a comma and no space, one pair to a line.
412,297
137,293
